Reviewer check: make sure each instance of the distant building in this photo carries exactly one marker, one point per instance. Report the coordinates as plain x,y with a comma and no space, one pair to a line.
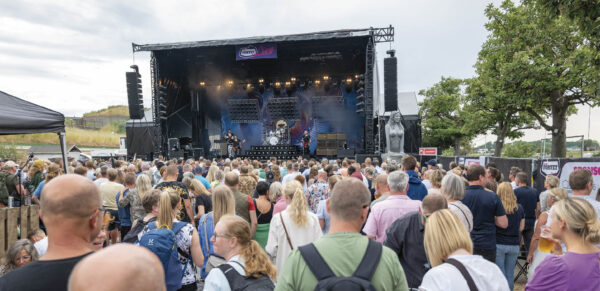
47,152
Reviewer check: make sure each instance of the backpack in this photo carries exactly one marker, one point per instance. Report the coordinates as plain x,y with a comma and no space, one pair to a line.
239,282
360,280
132,236
162,242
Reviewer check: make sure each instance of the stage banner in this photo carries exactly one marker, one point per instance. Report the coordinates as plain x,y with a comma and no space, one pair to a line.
256,51
563,168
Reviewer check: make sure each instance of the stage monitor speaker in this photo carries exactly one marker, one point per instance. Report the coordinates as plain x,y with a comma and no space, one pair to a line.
134,95
176,154
390,77
198,152
173,144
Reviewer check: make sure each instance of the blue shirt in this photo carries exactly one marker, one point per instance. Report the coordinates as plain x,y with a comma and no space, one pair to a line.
485,206
38,191
203,181
323,214
510,235
528,197
416,188
124,214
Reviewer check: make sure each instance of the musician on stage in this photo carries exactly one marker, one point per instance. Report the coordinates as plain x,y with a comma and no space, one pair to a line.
229,139
237,146
306,143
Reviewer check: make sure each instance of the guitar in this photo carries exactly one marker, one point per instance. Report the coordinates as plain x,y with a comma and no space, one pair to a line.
237,147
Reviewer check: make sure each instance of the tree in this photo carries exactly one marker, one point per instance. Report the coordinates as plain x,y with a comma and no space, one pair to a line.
492,109
441,111
543,67
519,149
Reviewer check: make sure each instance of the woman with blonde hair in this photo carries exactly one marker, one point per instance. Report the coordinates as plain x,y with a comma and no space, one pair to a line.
232,240
203,199
535,256
223,203
448,245
435,177
186,237
550,183
574,222
210,176
508,239
143,186
293,227
35,175
53,171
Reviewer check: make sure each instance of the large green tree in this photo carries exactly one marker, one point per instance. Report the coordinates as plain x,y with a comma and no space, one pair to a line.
542,67
443,117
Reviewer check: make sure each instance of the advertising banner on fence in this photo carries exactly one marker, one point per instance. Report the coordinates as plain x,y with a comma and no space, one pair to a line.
563,168
256,51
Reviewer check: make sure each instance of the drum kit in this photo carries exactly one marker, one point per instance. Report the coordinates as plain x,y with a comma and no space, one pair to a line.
279,135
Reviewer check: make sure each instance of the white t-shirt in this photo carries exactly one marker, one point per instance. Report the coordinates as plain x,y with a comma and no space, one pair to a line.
486,275
427,184
216,280
41,246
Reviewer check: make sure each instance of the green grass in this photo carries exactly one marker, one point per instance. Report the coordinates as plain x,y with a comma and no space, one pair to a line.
114,110
76,136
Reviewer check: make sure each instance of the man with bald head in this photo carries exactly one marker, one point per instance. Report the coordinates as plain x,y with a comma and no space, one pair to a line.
139,269
171,183
343,248
71,209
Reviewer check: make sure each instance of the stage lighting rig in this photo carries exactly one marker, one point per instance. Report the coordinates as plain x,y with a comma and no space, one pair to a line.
162,102
202,84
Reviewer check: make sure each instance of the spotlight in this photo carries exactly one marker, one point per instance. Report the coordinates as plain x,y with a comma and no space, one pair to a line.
317,82
348,80
355,76
202,84
287,84
230,83
325,77
293,79
277,84
261,80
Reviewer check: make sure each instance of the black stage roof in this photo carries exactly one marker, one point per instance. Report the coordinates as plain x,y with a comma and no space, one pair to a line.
345,33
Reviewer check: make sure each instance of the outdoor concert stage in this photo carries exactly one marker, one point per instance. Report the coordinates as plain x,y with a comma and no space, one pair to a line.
323,82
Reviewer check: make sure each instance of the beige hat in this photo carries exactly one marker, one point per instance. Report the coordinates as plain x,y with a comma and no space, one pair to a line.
9,165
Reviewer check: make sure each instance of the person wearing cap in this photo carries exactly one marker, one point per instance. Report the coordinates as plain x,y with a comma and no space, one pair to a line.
432,165
11,181
198,175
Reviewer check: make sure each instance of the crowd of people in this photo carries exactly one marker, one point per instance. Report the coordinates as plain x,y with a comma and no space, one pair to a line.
304,224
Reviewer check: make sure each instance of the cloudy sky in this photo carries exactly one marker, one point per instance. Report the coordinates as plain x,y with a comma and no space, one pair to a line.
71,56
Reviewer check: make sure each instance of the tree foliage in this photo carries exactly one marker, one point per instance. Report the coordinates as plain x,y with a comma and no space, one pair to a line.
443,117
540,68
519,149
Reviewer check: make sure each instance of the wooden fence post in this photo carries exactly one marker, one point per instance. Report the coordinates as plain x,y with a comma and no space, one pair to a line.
3,231
34,216
11,225
24,221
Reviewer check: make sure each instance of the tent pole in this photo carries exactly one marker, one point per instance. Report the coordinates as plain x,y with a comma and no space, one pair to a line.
63,149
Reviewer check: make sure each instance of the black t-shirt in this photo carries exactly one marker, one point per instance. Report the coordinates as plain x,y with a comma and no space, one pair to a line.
204,200
40,275
510,234
182,190
528,197
405,237
485,206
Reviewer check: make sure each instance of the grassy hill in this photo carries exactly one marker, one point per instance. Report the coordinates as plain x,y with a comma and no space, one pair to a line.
114,110
77,136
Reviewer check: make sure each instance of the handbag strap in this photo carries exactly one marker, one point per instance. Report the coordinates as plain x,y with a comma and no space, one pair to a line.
464,273
287,236
206,233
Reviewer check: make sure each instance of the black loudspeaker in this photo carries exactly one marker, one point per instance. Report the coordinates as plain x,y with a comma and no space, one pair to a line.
174,144
198,152
345,153
390,83
134,95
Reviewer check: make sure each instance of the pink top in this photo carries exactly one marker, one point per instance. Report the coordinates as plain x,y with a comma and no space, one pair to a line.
280,205
386,212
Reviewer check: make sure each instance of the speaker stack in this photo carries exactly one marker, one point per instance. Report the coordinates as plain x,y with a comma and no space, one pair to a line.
329,143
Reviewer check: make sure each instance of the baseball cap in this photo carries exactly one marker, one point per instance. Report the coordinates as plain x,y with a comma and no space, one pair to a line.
432,162
10,165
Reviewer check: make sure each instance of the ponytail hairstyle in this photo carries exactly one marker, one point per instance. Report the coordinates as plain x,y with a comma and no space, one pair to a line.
299,206
167,205
223,203
580,217
257,263
53,171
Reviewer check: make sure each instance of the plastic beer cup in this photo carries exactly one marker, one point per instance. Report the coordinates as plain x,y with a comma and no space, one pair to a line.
546,243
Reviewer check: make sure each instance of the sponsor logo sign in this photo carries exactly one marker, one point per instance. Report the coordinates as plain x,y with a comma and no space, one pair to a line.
256,51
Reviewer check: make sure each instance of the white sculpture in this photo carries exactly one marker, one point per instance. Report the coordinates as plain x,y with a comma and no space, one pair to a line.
394,132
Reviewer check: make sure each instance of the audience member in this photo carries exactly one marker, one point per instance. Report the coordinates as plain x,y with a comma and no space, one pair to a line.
395,206
342,250
487,211
550,182
264,209
71,210
508,239
322,213
19,254
450,253
528,197
405,237
293,227
382,190
171,182
138,270
244,206
416,189
318,191
453,188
